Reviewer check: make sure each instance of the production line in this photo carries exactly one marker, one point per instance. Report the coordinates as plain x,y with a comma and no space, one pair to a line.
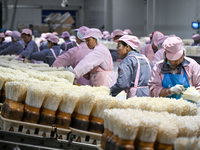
89,119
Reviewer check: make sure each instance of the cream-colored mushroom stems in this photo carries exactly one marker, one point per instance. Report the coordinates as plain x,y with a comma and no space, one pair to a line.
153,126
16,91
36,94
191,94
69,101
53,98
179,107
185,143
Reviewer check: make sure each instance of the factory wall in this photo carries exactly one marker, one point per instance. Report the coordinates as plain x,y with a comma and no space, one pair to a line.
94,13
175,16
129,14
141,16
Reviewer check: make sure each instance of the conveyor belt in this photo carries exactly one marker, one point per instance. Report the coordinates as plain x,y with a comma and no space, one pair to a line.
20,141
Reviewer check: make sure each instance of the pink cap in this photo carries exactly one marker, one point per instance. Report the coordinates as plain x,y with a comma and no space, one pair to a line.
196,37
55,33
160,40
43,37
8,33
127,31
156,35
106,33
93,32
131,40
106,37
2,35
147,39
53,38
65,34
173,47
16,35
27,31
117,32
82,30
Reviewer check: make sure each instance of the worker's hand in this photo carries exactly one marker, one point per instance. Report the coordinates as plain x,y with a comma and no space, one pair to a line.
26,60
19,58
177,89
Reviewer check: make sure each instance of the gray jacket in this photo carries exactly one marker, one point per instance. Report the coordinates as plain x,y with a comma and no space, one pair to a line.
127,72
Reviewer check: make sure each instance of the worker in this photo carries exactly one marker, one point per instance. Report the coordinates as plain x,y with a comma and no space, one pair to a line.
30,45
3,43
55,33
8,34
150,49
175,73
134,71
49,55
98,64
115,35
16,47
74,55
158,56
106,35
67,44
128,32
196,38
44,42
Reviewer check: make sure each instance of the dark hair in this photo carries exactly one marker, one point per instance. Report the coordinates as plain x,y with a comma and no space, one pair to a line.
52,42
124,44
30,26
3,39
27,34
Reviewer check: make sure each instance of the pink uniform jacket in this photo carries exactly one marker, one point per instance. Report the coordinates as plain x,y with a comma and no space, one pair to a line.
158,56
72,57
155,81
147,50
100,65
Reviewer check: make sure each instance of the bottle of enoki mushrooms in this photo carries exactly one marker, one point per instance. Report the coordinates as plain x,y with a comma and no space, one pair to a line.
13,107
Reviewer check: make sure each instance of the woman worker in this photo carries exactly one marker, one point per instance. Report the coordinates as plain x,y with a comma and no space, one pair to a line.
98,63
115,35
49,55
67,44
150,49
158,56
3,43
134,71
16,47
176,72
74,55
30,45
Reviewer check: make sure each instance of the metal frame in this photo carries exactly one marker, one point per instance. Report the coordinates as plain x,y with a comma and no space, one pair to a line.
32,142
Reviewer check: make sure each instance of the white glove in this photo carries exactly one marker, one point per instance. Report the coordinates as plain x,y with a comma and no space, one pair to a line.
177,89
